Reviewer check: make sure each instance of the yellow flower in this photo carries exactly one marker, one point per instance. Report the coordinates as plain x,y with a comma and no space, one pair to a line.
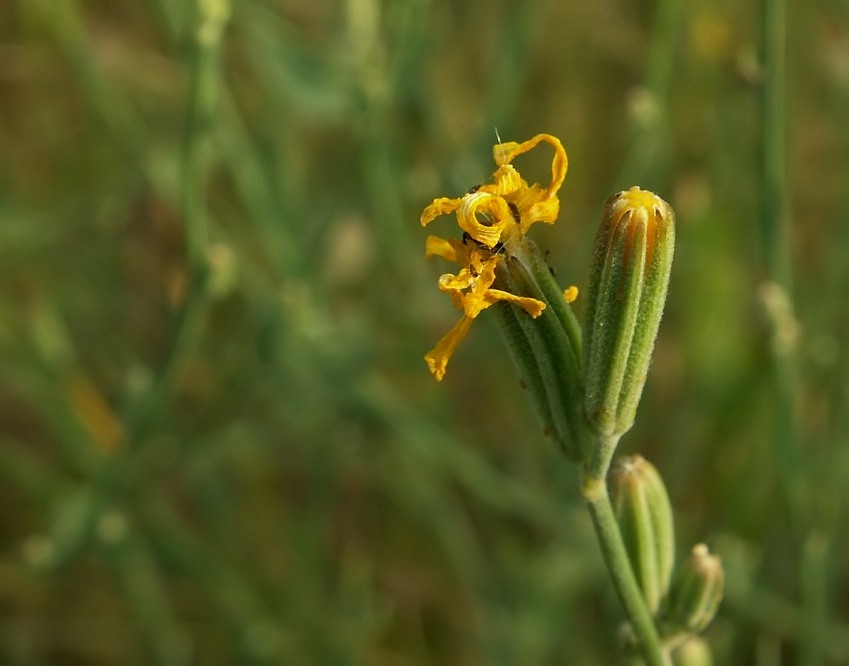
494,218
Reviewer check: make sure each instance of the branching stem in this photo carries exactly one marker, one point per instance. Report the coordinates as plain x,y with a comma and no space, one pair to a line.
595,494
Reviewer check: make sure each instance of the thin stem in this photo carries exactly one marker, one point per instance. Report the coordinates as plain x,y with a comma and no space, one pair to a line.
211,18
761,606
814,607
774,229
774,240
595,493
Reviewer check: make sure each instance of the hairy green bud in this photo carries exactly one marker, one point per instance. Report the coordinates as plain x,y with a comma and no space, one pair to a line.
695,593
629,275
644,514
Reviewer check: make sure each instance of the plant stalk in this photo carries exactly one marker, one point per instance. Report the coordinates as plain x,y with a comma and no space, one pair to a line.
595,493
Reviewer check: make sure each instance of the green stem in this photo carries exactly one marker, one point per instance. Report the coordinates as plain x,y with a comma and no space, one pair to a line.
774,240
595,493
204,81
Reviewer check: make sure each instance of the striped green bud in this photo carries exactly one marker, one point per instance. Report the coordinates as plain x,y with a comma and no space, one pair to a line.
545,349
629,275
695,593
644,514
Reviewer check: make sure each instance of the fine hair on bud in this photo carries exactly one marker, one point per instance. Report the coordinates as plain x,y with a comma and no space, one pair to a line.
695,594
626,293
644,514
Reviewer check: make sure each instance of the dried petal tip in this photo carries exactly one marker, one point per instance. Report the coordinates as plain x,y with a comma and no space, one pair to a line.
629,275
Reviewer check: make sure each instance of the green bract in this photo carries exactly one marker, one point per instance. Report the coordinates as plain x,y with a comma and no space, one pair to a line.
644,515
545,349
695,593
629,274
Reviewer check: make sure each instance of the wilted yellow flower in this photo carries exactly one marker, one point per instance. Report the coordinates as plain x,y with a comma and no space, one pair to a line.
494,218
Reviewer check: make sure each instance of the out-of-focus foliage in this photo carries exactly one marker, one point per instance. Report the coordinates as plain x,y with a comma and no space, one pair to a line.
218,440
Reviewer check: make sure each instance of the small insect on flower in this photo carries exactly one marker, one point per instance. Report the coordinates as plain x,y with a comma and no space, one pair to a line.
514,210
468,240
494,218
550,268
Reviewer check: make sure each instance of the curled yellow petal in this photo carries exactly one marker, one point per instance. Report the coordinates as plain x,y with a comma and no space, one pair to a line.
504,153
438,207
477,298
546,211
463,280
438,357
492,216
507,181
493,209
440,247
530,305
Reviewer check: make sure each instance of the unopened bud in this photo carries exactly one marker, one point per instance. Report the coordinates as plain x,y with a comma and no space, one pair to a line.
695,593
629,275
693,652
644,515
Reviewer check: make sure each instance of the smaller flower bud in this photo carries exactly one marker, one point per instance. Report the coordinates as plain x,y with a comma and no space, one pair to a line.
629,275
695,593
693,652
644,515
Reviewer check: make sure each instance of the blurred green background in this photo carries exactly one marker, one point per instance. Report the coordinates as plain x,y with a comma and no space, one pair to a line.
218,440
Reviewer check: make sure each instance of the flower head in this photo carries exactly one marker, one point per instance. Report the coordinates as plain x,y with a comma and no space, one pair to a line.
494,219
626,292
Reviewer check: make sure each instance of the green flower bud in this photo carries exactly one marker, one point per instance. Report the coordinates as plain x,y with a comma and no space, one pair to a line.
695,593
693,652
629,274
644,515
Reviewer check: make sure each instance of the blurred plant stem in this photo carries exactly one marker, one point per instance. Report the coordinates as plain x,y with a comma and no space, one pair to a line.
650,101
211,17
758,604
775,255
595,493
793,467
